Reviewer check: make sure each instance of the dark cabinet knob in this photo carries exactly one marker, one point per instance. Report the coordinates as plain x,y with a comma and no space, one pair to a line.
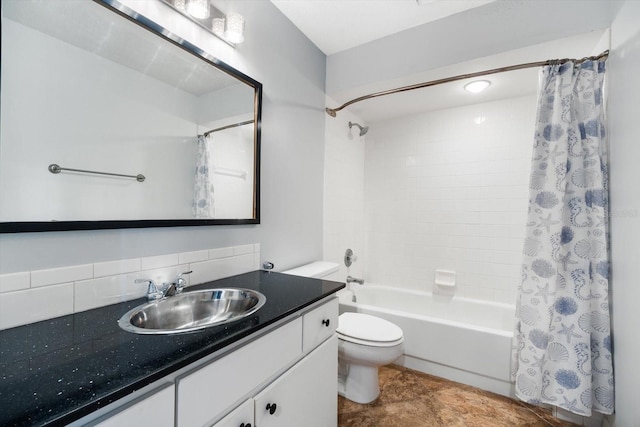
325,322
245,425
271,407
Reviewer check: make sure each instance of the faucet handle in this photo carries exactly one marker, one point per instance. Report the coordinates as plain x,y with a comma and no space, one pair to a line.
153,292
180,281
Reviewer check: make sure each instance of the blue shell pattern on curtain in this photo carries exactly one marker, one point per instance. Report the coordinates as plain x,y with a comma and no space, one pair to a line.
202,206
562,341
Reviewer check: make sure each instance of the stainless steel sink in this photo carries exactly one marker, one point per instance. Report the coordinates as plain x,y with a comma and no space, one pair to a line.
192,311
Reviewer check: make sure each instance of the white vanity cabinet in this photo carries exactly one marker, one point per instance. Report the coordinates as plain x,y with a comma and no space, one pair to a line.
292,370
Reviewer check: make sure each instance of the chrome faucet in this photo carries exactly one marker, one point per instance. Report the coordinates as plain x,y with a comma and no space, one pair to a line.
155,292
351,279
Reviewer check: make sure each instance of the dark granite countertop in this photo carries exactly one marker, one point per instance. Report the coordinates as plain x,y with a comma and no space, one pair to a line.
56,371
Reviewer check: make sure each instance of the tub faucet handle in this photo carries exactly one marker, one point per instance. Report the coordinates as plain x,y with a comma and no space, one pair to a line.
349,258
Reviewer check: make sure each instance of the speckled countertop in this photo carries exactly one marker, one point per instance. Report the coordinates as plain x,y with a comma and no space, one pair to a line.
57,371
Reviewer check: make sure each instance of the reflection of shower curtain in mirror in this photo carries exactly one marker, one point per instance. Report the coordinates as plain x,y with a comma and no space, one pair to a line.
202,206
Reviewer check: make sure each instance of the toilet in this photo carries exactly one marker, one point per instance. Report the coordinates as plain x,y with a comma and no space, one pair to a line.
364,342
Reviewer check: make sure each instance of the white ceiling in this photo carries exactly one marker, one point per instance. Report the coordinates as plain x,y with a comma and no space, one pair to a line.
337,25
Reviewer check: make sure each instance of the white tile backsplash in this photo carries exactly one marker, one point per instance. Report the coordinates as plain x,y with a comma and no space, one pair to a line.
243,250
61,275
196,256
159,261
111,268
103,291
220,253
222,267
27,297
33,305
15,281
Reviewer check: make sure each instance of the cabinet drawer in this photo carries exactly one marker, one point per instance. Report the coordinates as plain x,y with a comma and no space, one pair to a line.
156,409
319,324
211,390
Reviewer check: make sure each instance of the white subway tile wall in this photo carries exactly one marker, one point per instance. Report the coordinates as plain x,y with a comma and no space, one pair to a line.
448,190
343,192
27,297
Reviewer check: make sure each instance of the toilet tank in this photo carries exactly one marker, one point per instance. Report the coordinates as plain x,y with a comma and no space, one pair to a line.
318,270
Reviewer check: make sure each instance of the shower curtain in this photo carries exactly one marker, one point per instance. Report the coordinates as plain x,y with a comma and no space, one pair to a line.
202,206
562,343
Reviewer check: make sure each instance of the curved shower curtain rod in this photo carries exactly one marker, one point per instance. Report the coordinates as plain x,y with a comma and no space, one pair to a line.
332,111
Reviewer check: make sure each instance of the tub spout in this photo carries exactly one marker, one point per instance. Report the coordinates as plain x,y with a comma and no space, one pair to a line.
355,280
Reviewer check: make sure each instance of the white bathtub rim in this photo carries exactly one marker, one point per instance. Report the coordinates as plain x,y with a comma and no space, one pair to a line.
435,295
438,320
345,300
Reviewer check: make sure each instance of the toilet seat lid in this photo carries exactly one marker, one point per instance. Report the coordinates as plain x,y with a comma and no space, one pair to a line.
368,328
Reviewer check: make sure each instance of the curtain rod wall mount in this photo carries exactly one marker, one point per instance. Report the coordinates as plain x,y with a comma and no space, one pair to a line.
333,111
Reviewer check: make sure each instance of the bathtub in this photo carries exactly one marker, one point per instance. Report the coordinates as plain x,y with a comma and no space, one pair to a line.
464,340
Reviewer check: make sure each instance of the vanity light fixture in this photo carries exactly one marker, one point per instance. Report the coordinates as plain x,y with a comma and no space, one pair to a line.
477,86
229,28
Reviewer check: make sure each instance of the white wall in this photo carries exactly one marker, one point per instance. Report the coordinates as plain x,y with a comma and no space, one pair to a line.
448,190
624,92
344,192
292,71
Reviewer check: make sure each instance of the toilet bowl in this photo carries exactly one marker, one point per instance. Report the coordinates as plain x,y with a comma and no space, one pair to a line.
365,343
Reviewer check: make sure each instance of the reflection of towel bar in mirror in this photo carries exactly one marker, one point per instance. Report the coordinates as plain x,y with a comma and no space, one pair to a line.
230,172
53,168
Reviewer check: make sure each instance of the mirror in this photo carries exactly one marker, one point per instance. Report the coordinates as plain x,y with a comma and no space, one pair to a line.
101,115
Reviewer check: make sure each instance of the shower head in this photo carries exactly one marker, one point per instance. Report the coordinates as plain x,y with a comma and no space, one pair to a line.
363,130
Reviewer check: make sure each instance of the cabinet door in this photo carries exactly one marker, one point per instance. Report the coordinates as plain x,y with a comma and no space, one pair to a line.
306,395
242,416
155,410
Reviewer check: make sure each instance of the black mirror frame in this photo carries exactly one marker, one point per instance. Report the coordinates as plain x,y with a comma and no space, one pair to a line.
127,13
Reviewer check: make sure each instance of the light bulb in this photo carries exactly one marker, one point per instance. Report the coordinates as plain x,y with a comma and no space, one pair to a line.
217,26
198,8
180,5
234,30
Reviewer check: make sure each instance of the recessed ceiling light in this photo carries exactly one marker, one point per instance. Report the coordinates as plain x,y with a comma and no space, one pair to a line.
477,86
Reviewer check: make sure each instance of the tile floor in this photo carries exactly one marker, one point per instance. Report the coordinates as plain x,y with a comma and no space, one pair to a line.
412,399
